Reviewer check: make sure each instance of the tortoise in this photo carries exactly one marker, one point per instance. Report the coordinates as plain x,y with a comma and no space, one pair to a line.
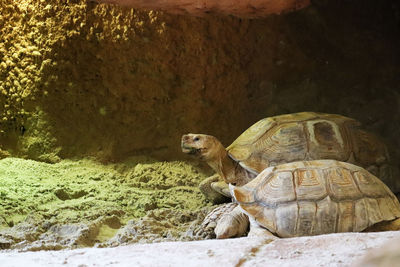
312,198
287,138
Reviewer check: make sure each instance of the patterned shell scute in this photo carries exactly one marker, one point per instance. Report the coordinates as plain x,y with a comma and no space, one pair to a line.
242,148
341,184
369,186
279,189
345,220
328,139
309,184
366,148
325,217
287,142
317,197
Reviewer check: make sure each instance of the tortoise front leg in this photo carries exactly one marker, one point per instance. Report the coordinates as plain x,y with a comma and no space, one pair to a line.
232,224
256,231
212,195
222,188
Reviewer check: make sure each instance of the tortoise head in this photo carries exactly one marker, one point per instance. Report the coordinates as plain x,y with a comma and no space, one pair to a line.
206,147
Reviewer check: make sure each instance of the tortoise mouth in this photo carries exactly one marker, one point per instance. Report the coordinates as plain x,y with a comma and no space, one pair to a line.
190,150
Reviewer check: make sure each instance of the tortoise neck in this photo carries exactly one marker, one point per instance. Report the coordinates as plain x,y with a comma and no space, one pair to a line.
230,170
223,165
227,168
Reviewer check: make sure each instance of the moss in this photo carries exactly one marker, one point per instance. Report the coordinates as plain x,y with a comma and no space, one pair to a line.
87,192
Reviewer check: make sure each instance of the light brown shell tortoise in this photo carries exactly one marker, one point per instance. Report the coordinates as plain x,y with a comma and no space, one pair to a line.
287,138
312,198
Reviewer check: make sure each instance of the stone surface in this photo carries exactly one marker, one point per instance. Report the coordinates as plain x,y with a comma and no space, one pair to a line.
245,9
386,256
325,250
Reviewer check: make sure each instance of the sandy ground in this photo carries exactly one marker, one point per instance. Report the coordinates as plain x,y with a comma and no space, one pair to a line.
343,249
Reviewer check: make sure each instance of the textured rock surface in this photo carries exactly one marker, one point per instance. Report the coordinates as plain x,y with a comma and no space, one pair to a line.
246,9
326,250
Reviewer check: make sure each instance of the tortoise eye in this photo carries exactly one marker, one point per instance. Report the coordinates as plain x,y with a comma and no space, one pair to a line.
196,139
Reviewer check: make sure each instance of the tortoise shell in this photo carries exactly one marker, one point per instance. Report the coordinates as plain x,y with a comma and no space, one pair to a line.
316,197
311,136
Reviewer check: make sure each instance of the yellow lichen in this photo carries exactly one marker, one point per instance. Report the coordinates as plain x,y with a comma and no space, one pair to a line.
36,53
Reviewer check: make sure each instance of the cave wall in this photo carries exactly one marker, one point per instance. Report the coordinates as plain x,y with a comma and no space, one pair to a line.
82,79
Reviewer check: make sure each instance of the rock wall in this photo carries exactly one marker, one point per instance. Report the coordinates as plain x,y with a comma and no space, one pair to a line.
242,9
81,79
